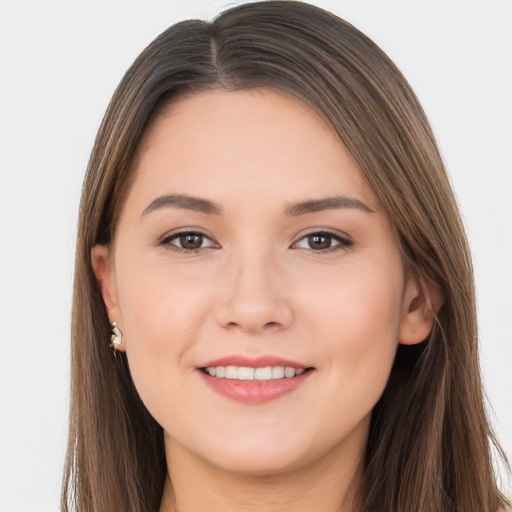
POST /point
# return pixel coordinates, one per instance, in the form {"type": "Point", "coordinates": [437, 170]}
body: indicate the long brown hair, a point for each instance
{"type": "Point", "coordinates": [429, 446]}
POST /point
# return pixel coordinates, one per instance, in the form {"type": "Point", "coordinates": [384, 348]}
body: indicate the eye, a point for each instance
{"type": "Point", "coordinates": [188, 241]}
{"type": "Point", "coordinates": [322, 241]}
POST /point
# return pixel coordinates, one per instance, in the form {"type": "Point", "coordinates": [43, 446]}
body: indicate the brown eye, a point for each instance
{"type": "Point", "coordinates": [191, 241]}
{"type": "Point", "coordinates": [323, 241]}
{"type": "Point", "coordinates": [188, 241]}
{"type": "Point", "coordinates": [319, 241]}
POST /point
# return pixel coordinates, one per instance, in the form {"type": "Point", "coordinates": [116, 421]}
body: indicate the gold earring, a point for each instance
{"type": "Point", "coordinates": [116, 336]}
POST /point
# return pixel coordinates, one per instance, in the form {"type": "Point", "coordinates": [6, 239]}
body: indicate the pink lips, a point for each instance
{"type": "Point", "coordinates": [253, 362]}
{"type": "Point", "coordinates": [254, 392]}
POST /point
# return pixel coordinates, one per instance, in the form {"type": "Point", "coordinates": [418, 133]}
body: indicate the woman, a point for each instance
{"type": "Point", "coordinates": [269, 241]}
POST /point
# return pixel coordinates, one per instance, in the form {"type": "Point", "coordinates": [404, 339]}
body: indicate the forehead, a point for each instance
{"type": "Point", "coordinates": [258, 144]}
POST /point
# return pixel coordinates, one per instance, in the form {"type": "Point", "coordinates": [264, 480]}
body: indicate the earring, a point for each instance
{"type": "Point", "coordinates": [116, 337]}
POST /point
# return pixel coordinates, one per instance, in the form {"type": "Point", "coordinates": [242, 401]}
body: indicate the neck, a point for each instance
{"type": "Point", "coordinates": [325, 485]}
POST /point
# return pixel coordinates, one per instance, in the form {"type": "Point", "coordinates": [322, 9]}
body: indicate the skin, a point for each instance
{"type": "Point", "coordinates": [256, 285]}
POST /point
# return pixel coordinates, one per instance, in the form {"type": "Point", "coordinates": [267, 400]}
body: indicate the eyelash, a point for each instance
{"type": "Point", "coordinates": [167, 241]}
{"type": "Point", "coordinates": [343, 242]}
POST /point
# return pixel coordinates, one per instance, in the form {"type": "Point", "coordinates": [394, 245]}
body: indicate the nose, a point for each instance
{"type": "Point", "coordinates": [254, 299]}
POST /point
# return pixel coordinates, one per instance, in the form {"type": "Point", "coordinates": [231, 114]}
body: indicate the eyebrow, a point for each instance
{"type": "Point", "coordinates": [329, 203]}
{"type": "Point", "coordinates": [184, 202]}
{"type": "Point", "coordinates": [197, 204]}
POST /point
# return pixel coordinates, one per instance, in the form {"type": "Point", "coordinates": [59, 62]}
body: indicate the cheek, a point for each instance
{"type": "Point", "coordinates": [161, 305]}
{"type": "Point", "coordinates": [357, 326]}
{"type": "Point", "coordinates": [356, 301]}
{"type": "Point", "coordinates": [162, 314]}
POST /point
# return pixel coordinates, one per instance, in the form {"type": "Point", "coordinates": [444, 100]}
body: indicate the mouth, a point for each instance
{"type": "Point", "coordinates": [247, 373]}
{"type": "Point", "coordinates": [254, 380]}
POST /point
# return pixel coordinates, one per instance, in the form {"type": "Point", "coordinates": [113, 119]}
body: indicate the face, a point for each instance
{"type": "Point", "coordinates": [258, 284]}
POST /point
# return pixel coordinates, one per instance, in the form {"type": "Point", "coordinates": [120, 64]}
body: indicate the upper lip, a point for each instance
{"type": "Point", "coordinates": [254, 362]}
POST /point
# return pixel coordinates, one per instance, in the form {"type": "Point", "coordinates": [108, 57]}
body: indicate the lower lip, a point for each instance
{"type": "Point", "coordinates": [253, 391]}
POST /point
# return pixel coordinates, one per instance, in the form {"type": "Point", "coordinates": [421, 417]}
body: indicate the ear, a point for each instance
{"type": "Point", "coordinates": [103, 268]}
{"type": "Point", "coordinates": [420, 307]}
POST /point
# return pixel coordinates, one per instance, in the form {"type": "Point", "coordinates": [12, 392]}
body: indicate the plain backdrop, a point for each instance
{"type": "Point", "coordinates": [59, 64]}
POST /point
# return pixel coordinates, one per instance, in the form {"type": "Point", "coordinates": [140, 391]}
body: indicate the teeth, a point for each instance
{"type": "Point", "coordinates": [231, 372]}
{"type": "Point", "coordinates": [246, 373]}
{"type": "Point", "coordinates": [263, 373]}
{"type": "Point", "coordinates": [278, 372]}
{"type": "Point", "coordinates": [289, 372]}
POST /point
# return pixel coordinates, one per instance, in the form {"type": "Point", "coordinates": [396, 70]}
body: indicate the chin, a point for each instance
{"type": "Point", "coordinates": [257, 454]}
{"type": "Point", "coordinates": [261, 464]}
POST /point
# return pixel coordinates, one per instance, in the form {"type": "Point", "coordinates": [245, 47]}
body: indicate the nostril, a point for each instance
{"type": "Point", "coordinates": [254, 314]}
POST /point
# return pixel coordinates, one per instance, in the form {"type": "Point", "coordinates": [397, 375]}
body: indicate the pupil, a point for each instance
{"type": "Point", "coordinates": [191, 241]}
{"type": "Point", "coordinates": [319, 241]}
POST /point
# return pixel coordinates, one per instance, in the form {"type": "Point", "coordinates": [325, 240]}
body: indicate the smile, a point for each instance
{"type": "Point", "coordinates": [254, 381]}
{"type": "Point", "coordinates": [253, 374]}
